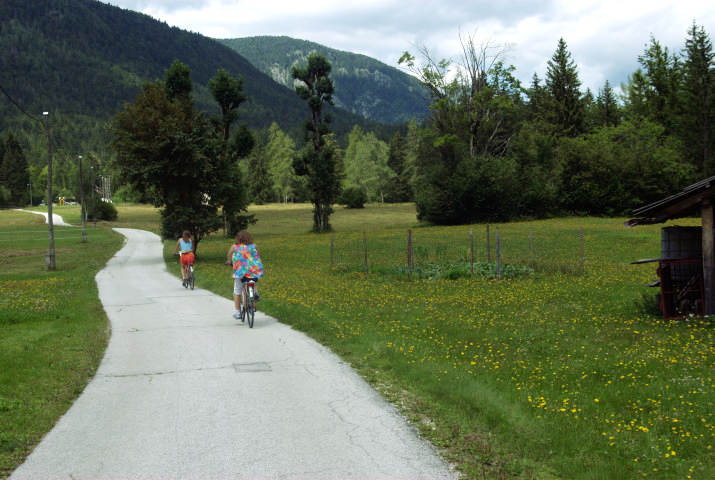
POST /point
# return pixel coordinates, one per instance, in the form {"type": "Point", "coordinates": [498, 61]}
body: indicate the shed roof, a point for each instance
{"type": "Point", "coordinates": [682, 204]}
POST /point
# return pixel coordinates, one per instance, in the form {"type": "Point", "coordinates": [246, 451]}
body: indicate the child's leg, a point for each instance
{"type": "Point", "coordinates": [237, 294]}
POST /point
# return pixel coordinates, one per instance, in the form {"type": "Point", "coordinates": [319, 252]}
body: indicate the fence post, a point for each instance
{"type": "Point", "coordinates": [364, 246]}
{"type": "Point", "coordinates": [332, 251]}
{"type": "Point", "coordinates": [498, 255]}
{"type": "Point", "coordinates": [531, 247]}
{"type": "Point", "coordinates": [409, 255]}
{"type": "Point", "coordinates": [489, 250]}
{"type": "Point", "coordinates": [471, 252]}
{"type": "Point", "coordinates": [580, 235]}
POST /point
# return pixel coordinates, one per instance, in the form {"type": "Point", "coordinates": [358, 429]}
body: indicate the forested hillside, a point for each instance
{"type": "Point", "coordinates": [82, 59]}
{"type": "Point", "coordinates": [363, 85]}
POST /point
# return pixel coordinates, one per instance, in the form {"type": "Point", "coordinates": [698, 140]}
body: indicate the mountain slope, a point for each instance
{"type": "Point", "coordinates": [82, 59]}
{"type": "Point", "coordinates": [363, 85]}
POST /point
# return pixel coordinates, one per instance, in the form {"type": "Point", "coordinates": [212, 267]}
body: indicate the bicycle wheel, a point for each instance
{"type": "Point", "coordinates": [243, 303]}
{"type": "Point", "coordinates": [250, 311]}
{"type": "Point", "coordinates": [192, 278]}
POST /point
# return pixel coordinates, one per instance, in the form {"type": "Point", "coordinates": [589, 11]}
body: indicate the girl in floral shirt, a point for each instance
{"type": "Point", "coordinates": [246, 261]}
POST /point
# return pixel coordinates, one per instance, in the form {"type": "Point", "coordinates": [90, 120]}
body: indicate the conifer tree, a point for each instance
{"type": "Point", "coordinates": [607, 107]}
{"type": "Point", "coordinates": [698, 119]}
{"type": "Point", "coordinates": [397, 188]}
{"type": "Point", "coordinates": [536, 106]}
{"type": "Point", "coordinates": [15, 173]}
{"type": "Point", "coordinates": [565, 108]}
{"type": "Point", "coordinates": [228, 93]}
{"type": "Point", "coordinates": [661, 85]}
{"type": "Point", "coordinates": [318, 160]}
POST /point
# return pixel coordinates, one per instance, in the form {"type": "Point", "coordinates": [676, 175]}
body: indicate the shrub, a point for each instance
{"type": "Point", "coordinates": [104, 210]}
{"type": "Point", "coordinates": [353, 197]}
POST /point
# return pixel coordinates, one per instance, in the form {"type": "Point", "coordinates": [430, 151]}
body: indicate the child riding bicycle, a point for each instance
{"type": "Point", "coordinates": [184, 247]}
{"type": "Point", "coordinates": [246, 261]}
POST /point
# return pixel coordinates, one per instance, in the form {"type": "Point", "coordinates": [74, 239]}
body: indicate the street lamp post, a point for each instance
{"type": "Point", "coordinates": [93, 186]}
{"type": "Point", "coordinates": [51, 254]}
{"type": "Point", "coordinates": [81, 199]}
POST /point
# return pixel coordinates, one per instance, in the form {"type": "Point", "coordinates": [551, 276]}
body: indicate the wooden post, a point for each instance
{"type": "Point", "coordinates": [498, 255]}
{"type": "Point", "coordinates": [471, 252]}
{"type": "Point", "coordinates": [708, 257]}
{"type": "Point", "coordinates": [409, 255]}
{"type": "Point", "coordinates": [364, 247]}
{"type": "Point", "coordinates": [489, 250]}
{"type": "Point", "coordinates": [332, 251]}
{"type": "Point", "coordinates": [531, 248]}
{"type": "Point", "coordinates": [580, 236]}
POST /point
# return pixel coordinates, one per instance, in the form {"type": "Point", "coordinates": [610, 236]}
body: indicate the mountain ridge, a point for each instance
{"type": "Point", "coordinates": [364, 85]}
{"type": "Point", "coordinates": [83, 59]}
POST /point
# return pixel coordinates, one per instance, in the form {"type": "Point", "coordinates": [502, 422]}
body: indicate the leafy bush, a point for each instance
{"type": "Point", "coordinates": [104, 211]}
{"type": "Point", "coordinates": [353, 197]}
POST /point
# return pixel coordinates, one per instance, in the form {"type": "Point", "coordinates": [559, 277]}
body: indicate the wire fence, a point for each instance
{"type": "Point", "coordinates": [489, 252]}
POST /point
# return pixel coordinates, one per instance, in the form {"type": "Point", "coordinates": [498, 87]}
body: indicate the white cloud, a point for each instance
{"type": "Point", "coordinates": [604, 37]}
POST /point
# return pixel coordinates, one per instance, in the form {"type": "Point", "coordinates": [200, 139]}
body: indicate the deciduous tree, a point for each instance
{"type": "Point", "coordinates": [280, 151]}
{"type": "Point", "coordinates": [165, 147]}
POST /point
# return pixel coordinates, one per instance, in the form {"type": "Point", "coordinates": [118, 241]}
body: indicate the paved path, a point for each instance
{"type": "Point", "coordinates": [56, 219]}
{"type": "Point", "coordinates": [186, 392]}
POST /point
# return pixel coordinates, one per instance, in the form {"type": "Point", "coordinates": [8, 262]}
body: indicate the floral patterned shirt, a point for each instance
{"type": "Point", "coordinates": [246, 261]}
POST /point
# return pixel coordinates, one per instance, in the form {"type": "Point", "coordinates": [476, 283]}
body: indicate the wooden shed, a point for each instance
{"type": "Point", "coordinates": [697, 198]}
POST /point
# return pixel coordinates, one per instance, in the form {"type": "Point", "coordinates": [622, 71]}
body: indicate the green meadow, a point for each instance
{"type": "Point", "coordinates": [561, 371]}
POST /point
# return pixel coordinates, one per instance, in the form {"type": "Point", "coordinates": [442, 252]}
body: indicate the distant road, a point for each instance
{"type": "Point", "coordinates": [186, 392]}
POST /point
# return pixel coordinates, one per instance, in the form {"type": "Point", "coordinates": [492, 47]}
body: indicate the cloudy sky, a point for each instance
{"type": "Point", "coordinates": [604, 37]}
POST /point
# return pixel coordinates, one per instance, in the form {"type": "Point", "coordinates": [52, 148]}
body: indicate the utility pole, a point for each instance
{"type": "Point", "coordinates": [81, 199]}
{"type": "Point", "coordinates": [51, 254]}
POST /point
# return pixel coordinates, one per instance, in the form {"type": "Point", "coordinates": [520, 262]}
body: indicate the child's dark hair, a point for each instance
{"type": "Point", "coordinates": [244, 237]}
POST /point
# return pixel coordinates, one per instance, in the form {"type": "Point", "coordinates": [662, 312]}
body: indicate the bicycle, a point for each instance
{"type": "Point", "coordinates": [190, 280]}
{"type": "Point", "coordinates": [248, 300]}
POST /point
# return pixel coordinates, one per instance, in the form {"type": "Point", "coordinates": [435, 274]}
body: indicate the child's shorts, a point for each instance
{"type": "Point", "coordinates": [237, 284]}
{"type": "Point", "coordinates": [187, 258]}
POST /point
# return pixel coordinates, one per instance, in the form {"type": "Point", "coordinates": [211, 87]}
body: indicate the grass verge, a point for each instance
{"type": "Point", "coordinates": [53, 330]}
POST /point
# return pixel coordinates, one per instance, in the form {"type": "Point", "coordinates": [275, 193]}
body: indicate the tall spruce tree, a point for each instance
{"type": "Point", "coordinates": [15, 173]}
{"type": "Point", "coordinates": [698, 119]}
{"type": "Point", "coordinates": [318, 160]}
{"type": "Point", "coordinates": [660, 87]}
{"type": "Point", "coordinates": [608, 112]}
{"type": "Point", "coordinates": [565, 108]}
{"type": "Point", "coordinates": [537, 98]}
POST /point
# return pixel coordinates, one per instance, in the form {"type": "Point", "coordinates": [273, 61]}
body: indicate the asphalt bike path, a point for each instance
{"type": "Point", "coordinates": [185, 391]}
{"type": "Point", "coordinates": [56, 219]}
